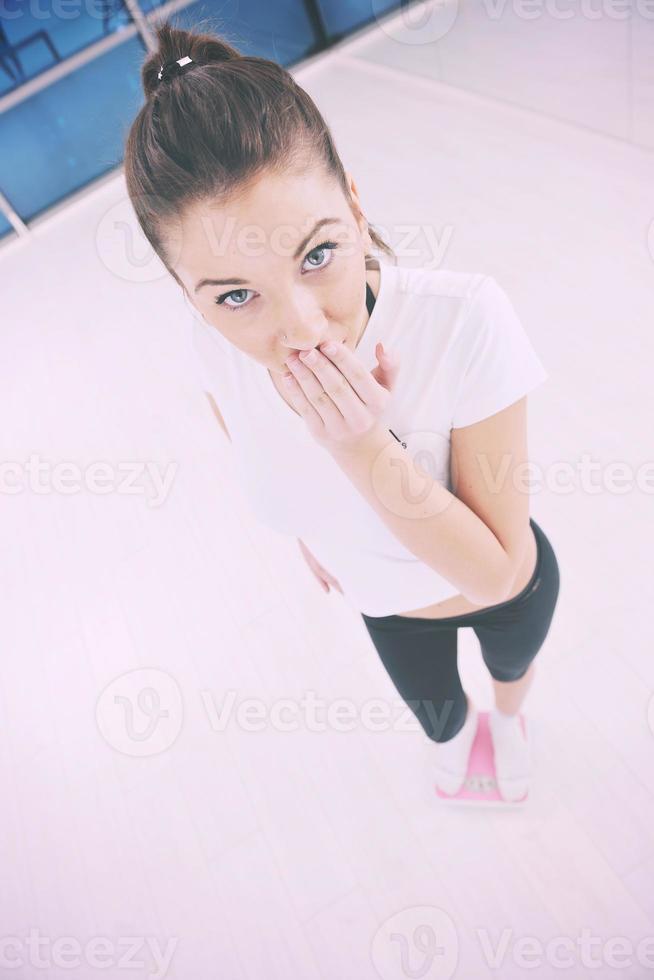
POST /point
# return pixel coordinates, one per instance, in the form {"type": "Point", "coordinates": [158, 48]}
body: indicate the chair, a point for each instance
{"type": "Point", "coordinates": [9, 51]}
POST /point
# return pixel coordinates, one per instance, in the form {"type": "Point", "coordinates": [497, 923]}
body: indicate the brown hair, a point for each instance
{"type": "Point", "coordinates": [208, 134]}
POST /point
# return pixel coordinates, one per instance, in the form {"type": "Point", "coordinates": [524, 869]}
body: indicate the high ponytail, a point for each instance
{"type": "Point", "coordinates": [203, 49]}
{"type": "Point", "coordinates": [207, 133]}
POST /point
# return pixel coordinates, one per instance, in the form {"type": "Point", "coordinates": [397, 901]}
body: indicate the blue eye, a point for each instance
{"type": "Point", "coordinates": [323, 247]}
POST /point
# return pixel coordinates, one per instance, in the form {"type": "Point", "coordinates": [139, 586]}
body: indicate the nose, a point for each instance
{"type": "Point", "coordinates": [303, 337]}
{"type": "Point", "coordinates": [304, 325]}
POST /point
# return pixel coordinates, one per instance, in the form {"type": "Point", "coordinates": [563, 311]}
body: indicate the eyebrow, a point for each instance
{"type": "Point", "coordinates": [296, 254]}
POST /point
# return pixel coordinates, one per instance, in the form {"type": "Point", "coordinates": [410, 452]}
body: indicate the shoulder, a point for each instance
{"type": "Point", "coordinates": [432, 307]}
{"type": "Point", "coordinates": [440, 301]}
{"type": "Point", "coordinates": [471, 292]}
{"type": "Point", "coordinates": [465, 309]}
{"type": "Point", "coordinates": [449, 283]}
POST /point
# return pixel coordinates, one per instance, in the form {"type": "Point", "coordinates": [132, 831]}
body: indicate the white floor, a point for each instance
{"type": "Point", "coordinates": [303, 853]}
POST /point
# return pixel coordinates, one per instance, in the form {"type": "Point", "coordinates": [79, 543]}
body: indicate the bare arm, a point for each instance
{"type": "Point", "coordinates": [216, 412]}
{"type": "Point", "coordinates": [432, 523]}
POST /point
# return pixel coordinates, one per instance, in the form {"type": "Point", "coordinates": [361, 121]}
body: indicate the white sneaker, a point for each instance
{"type": "Point", "coordinates": [452, 756]}
{"type": "Point", "coordinates": [512, 755]}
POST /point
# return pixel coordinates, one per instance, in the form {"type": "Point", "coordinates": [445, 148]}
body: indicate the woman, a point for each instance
{"type": "Point", "coordinates": [398, 464]}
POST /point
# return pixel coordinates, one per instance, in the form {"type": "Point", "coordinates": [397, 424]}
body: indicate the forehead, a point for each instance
{"type": "Point", "coordinates": [263, 224]}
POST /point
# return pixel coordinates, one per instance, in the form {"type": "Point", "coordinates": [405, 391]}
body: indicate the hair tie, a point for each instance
{"type": "Point", "coordinates": [172, 68]}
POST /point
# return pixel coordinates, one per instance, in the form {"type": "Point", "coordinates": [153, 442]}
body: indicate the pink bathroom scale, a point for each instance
{"type": "Point", "coordinates": [480, 786]}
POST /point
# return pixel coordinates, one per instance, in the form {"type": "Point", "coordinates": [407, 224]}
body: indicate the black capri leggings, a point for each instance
{"type": "Point", "coordinates": [420, 655]}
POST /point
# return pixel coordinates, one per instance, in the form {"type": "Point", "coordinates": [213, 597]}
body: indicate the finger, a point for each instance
{"type": "Point", "coordinates": [386, 362]}
{"type": "Point", "coordinates": [328, 387]}
{"type": "Point", "coordinates": [383, 356]}
{"type": "Point", "coordinates": [360, 380]}
{"type": "Point", "coordinates": [300, 402]}
{"type": "Point", "coordinates": [387, 370]}
{"type": "Point", "coordinates": [389, 362]}
{"type": "Point", "coordinates": [313, 390]}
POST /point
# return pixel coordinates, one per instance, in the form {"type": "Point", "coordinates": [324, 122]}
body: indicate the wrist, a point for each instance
{"type": "Point", "coordinates": [371, 444]}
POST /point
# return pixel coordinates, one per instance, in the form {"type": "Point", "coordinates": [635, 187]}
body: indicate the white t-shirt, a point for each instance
{"type": "Point", "coordinates": [464, 355]}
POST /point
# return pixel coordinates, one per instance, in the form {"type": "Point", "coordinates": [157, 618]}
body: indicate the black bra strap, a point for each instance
{"type": "Point", "coordinates": [370, 299]}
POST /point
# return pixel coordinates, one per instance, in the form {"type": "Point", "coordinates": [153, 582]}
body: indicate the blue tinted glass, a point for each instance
{"type": "Point", "coordinates": [34, 37]}
{"type": "Point", "coordinates": [280, 31]}
{"type": "Point", "coordinates": [349, 15]}
{"type": "Point", "coordinates": [70, 133]}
